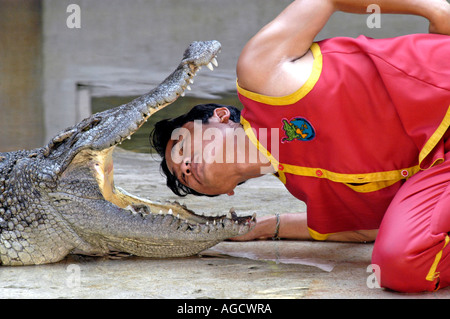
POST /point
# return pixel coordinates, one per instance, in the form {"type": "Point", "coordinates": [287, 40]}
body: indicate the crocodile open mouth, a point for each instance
{"type": "Point", "coordinates": [100, 167]}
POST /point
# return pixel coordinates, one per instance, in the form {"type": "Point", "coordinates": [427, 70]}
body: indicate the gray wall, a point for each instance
{"type": "Point", "coordinates": [124, 47]}
{"type": "Point", "coordinates": [20, 74]}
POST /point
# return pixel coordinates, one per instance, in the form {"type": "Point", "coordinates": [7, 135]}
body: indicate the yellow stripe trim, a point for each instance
{"type": "Point", "coordinates": [384, 176]}
{"type": "Point", "coordinates": [297, 95]}
{"type": "Point", "coordinates": [252, 137]}
{"type": "Point", "coordinates": [435, 138]}
{"type": "Point", "coordinates": [371, 187]}
{"type": "Point", "coordinates": [318, 236]}
{"type": "Point", "coordinates": [432, 274]}
{"type": "Point", "coordinates": [282, 177]}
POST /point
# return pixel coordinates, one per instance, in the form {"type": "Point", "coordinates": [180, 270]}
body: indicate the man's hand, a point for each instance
{"type": "Point", "coordinates": [264, 229]}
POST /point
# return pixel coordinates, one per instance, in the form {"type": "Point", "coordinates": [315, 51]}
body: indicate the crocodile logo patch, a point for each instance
{"type": "Point", "coordinates": [298, 129]}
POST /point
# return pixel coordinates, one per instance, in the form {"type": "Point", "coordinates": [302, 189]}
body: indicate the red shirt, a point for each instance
{"type": "Point", "coordinates": [372, 113]}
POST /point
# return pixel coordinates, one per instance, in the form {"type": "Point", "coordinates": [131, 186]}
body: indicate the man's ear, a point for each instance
{"type": "Point", "coordinates": [223, 114]}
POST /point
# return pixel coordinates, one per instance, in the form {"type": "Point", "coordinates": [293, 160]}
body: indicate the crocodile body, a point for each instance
{"type": "Point", "coordinates": [61, 198]}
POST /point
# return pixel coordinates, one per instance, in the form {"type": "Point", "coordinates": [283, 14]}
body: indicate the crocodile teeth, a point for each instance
{"type": "Point", "coordinates": [232, 214]}
{"type": "Point", "coordinates": [214, 61]}
{"type": "Point", "coordinates": [210, 66]}
{"type": "Point", "coordinates": [188, 88]}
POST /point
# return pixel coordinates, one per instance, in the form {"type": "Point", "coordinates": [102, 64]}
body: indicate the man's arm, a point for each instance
{"type": "Point", "coordinates": [290, 226]}
{"type": "Point", "coordinates": [261, 67]}
{"type": "Point", "coordinates": [436, 11]}
{"type": "Point", "coordinates": [294, 226]}
{"type": "Point", "coordinates": [268, 62]}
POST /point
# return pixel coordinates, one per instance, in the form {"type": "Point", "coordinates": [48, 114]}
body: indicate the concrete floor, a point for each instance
{"type": "Point", "coordinates": [261, 269]}
{"type": "Point", "coordinates": [288, 270]}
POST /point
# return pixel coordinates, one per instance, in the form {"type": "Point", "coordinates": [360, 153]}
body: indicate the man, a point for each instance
{"type": "Point", "coordinates": [356, 128]}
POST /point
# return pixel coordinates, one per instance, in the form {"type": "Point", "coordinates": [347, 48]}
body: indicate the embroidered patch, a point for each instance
{"type": "Point", "coordinates": [297, 129]}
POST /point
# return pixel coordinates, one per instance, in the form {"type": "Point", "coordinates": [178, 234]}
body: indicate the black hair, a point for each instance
{"type": "Point", "coordinates": [162, 133]}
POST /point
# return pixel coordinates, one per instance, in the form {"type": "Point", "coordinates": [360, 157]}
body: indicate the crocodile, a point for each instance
{"type": "Point", "coordinates": [61, 199]}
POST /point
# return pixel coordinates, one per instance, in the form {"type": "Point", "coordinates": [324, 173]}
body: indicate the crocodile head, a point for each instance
{"type": "Point", "coordinates": [62, 197]}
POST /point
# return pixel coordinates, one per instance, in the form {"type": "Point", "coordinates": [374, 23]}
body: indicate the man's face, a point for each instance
{"type": "Point", "coordinates": [202, 156]}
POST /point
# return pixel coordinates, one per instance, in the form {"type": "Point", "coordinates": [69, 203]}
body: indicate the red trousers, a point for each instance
{"type": "Point", "coordinates": [412, 247]}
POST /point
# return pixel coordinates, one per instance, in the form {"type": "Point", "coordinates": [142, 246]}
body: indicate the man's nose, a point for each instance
{"type": "Point", "coordinates": [186, 166]}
